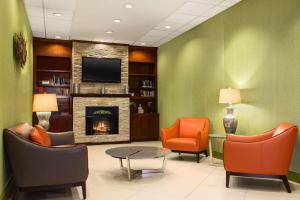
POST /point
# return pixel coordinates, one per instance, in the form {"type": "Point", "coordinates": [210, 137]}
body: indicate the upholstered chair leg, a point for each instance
{"type": "Point", "coordinates": [206, 154]}
{"type": "Point", "coordinates": [227, 179]}
{"type": "Point", "coordinates": [179, 156]}
{"type": "Point", "coordinates": [198, 157]}
{"type": "Point", "coordinates": [286, 184]}
{"type": "Point", "coordinates": [84, 190]}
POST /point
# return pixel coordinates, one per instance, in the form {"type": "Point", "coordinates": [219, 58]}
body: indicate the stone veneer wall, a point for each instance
{"type": "Point", "coordinates": [89, 49]}
{"type": "Point", "coordinates": [79, 104]}
{"type": "Point", "coordinates": [81, 49]}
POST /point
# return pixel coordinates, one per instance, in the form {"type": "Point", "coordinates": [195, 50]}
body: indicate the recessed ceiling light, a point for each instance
{"type": "Point", "coordinates": [168, 27]}
{"type": "Point", "coordinates": [128, 6]}
{"type": "Point", "coordinates": [117, 20]}
{"type": "Point", "coordinates": [109, 32]}
{"type": "Point", "coordinates": [57, 14]}
{"type": "Point", "coordinates": [57, 37]}
{"type": "Point", "coordinates": [143, 43]}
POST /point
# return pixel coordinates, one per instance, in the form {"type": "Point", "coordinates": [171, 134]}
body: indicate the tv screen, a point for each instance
{"type": "Point", "coordinates": [105, 70]}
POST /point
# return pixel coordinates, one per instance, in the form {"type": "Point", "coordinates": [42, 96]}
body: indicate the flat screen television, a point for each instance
{"type": "Point", "coordinates": [105, 70]}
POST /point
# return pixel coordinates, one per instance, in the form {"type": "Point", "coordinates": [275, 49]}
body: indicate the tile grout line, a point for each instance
{"type": "Point", "coordinates": [200, 183]}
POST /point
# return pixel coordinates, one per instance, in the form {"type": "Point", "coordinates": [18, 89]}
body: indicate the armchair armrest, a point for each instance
{"type": "Point", "coordinates": [35, 165]}
{"type": "Point", "coordinates": [63, 138]}
{"type": "Point", "coordinates": [171, 132]}
{"type": "Point", "coordinates": [199, 139]}
{"type": "Point", "coordinates": [252, 138]}
{"type": "Point", "coordinates": [242, 157]}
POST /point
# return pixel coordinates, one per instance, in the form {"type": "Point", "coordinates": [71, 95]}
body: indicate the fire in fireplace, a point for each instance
{"type": "Point", "coordinates": [102, 120]}
{"type": "Point", "coordinates": [101, 126]}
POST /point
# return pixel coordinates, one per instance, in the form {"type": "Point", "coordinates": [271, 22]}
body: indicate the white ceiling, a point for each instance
{"type": "Point", "coordinates": [144, 24]}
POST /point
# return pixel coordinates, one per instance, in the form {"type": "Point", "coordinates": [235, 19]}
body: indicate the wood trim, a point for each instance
{"type": "Point", "coordinates": [143, 48]}
{"type": "Point", "coordinates": [52, 40]}
{"type": "Point", "coordinates": [102, 95]}
{"type": "Point", "coordinates": [96, 42]}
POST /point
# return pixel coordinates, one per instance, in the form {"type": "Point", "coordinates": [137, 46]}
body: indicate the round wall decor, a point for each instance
{"type": "Point", "coordinates": [20, 50]}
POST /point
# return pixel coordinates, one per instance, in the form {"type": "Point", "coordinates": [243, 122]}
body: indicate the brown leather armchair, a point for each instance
{"type": "Point", "coordinates": [37, 167]}
{"type": "Point", "coordinates": [267, 155]}
{"type": "Point", "coordinates": [187, 135]}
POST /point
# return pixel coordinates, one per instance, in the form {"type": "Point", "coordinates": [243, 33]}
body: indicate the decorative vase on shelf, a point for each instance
{"type": "Point", "coordinates": [140, 109]}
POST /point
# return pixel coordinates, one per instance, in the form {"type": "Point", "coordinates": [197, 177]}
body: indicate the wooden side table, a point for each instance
{"type": "Point", "coordinates": [210, 137]}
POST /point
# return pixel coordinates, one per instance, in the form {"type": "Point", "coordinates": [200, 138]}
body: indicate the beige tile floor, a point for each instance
{"type": "Point", "coordinates": [182, 180]}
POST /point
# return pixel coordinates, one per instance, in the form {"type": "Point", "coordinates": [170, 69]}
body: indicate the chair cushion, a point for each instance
{"type": "Point", "coordinates": [190, 127]}
{"type": "Point", "coordinates": [40, 136]}
{"type": "Point", "coordinates": [281, 128]}
{"type": "Point", "coordinates": [182, 144]}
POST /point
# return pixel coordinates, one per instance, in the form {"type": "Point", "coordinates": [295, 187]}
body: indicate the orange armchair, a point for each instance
{"type": "Point", "coordinates": [266, 156]}
{"type": "Point", "coordinates": [187, 135]}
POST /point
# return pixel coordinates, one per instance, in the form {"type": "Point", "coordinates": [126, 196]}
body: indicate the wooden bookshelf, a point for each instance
{"type": "Point", "coordinates": [52, 62]}
{"type": "Point", "coordinates": [142, 67]}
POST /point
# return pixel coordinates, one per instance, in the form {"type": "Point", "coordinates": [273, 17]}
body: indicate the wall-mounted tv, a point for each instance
{"type": "Point", "coordinates": [105, 70]}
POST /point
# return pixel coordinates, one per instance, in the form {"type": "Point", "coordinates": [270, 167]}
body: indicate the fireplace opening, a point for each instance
{"type": "Point", "coordinates": [102, 120]}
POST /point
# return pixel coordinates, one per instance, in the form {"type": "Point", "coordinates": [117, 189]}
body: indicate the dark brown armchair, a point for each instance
{"type": "Point", "coordinates": [36, 167]}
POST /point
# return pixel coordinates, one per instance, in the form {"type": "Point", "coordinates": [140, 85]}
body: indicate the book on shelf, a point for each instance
{"type": "Point", "coordinates": [147, 93]}
{"type": "Point", "coordinates": [146, 84]}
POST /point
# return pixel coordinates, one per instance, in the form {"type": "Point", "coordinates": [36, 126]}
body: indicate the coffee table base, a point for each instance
{"type": "Point", "coordinates": [135, 172]}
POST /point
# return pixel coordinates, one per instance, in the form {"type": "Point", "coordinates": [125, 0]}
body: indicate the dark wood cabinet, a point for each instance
{"type": "Point", "coordinates": [52, 61]}
{"type": "Point", "coordinates": [52, 64]}
{"type": "Point", "coordinates": [143, 84]}
{"type": "Point", "coordinates": [144, 127]}
{"type": "Point", "coordinates": [58, 123]}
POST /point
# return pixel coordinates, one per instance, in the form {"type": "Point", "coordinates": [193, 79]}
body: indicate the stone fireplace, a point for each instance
{"type": "Point", "coordinates": [93, 112]}
{"type": "Point", "coordinates": [101, 120]}
{"type": "Point", "coordinates": [90, 96]}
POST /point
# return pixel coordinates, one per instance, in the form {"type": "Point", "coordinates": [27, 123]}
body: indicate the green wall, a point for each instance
{"type": "Point", "coordinates": [15, 83]}
{"type": "Point", "coordinates": [253, 46]}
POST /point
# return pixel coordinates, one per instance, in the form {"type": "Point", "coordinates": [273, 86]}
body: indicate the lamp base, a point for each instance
{"type": "Point", "coordinates": [44, 119]}
{"type": "Point", "coordinates": [229, 121]}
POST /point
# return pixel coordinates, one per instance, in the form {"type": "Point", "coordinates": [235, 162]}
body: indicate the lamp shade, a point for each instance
{"type": "Point", "coordinates": [44, 103]}
{"type": "Point", "coordinates": [230, 96]}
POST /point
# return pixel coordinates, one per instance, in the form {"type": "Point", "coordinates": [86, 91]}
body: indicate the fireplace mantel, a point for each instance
{"type": "Point", "coordinates": [101, 95]}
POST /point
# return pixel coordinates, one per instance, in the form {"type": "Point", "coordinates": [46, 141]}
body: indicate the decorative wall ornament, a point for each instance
{"type": "Point", "coordinates": [20, 51]}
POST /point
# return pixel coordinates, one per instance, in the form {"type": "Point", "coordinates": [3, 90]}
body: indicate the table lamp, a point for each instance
{"type": "Point", "coordinates": [43, 105]}
{"type": "Point", "coordinates": [230, 96]}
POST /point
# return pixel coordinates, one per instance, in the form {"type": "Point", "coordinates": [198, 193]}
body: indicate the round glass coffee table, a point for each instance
{"type": "Point", "coordinates": [138, 152]}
